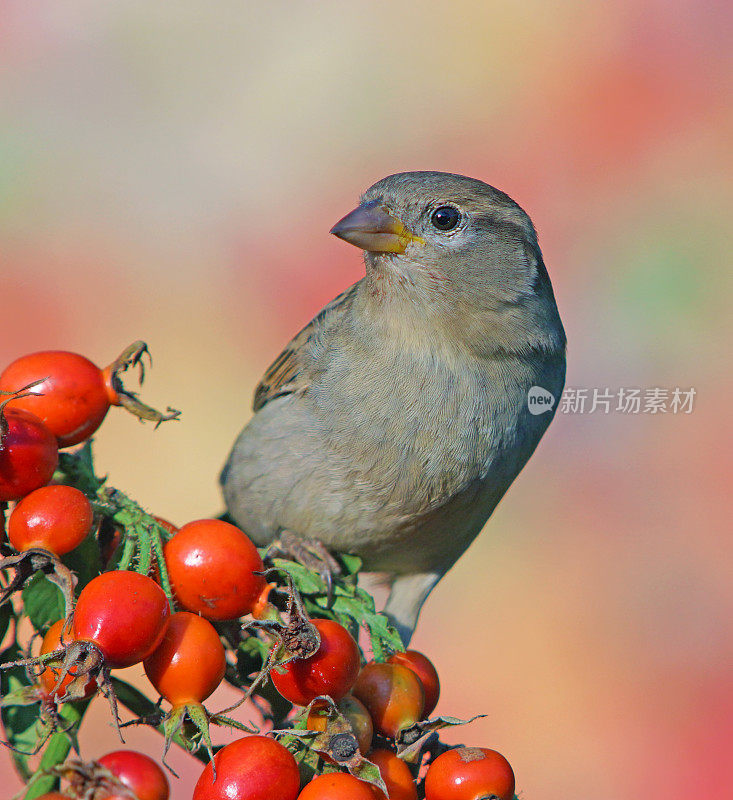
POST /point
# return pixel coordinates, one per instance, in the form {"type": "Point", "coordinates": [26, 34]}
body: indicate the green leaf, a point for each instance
{"type": "Point", "coordinates": [366, 771]}
{"type": "Point", "coordinates": [384, 638]}
{"type": "Point", "coordinates": [20, 728]}
{"type": "Point", "coordinates": [307, 760]}
{"type": "Point", "coordinates": [77, 469]}
{"type": "Point", "coordinates": [251, 654]}
{"type": "Point", "coordinates": [351, 606]}
{"type": "Point", "coordinates": [133, 698]}
{"type": "Point", "coordinates": [57, 749]}
{"type": "Point", "coordinates": [410, 741]}
{"type": "Point", "coordinates": [84, 561]}
{"type": "Point", "coordinates": [43, 602]}
{"type": "Point", "coordinates": [19, 721]}
{"type": "Point", "coordinates": [24, 695]}
{"type": "Point", "coordinates": [306, 581]}
{"type": "Point", "coordinates": [6, 614]}
{"type": "Point", "coordinates": [351, 564]}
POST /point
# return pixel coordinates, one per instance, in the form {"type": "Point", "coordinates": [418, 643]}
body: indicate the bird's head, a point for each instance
{"type": "Point", "coordinates": [458, 247]}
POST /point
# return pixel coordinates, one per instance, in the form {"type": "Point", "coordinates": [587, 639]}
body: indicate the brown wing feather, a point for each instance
{"type": "Point", "coordinates": [284, 375]}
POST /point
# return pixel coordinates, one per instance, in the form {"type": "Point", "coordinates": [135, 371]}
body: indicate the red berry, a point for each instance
{"type": "Point", "coordinates": [50, 675]}
{"type": "Point", "coordinates": [337, 786]}
{"type": "Point", "coordinates": [396, 776]}
{"type": "Point", "coordinates": [145, 779]}
{"type": "Point", "coordinates": [28, 454]}
{"type": "Point", "coordinates": [189, 663]}
{"type": "Point", "coordinates": [55, 518]}
{"type": "Point", "coordinates": [252, 768]}
{"type": "Point", "coordinates": [469, 773]}
{"type": "Point", "coordinates": [423, 667]}
{"type": "Point", "coordinates": [73, 399]}
{"type": "Point", "coordinates": [124, 614]}
{"type": "Point", "coordinates": [211, 566]}
{"type": "Point", "coordinates": [393, 695]}
{"type": "Point", "coordinates": [331, 671]}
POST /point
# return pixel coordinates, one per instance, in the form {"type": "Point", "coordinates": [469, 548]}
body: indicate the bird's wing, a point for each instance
{"type": "Point", "coordinates": [285, 375]}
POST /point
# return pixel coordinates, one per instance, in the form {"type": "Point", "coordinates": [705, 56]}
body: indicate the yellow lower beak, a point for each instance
{"type": "Point", "coordinates": [373, 228]}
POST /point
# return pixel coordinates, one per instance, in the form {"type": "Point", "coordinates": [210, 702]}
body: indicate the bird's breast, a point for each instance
{"type": "Point", "coordinates": [417, 430]}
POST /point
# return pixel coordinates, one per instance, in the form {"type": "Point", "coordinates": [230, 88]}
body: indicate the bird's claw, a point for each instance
{"type": "Point", "coordinates": [311, 553]}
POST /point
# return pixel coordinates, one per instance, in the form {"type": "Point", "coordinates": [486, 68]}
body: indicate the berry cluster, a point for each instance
{"type": "Point", "coordinates": [105, 585]}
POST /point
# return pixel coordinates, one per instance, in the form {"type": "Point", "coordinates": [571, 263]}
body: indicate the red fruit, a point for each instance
{"type": "Point", "coordinates": [189, 663]}
{"type": "Point", "coordinates": [396, 776]}
{"type": "Point", "coordinates": [355, 713]}
{"type": "Point", "coordinates": [469, 773]}
{"type": "Point", "coordinates": [72, 395]}
{"type": "Point", "coordinates": [331, 671]}
{"type": "Point", "coordinates": [423, 667]}
{"type": "Point", "coordinates": [252, 768]}
{"type": "Point", "coordinates": [124, 614]}
{"type": "Point", "coordinates": [75, 397]}
{"type": "Point", "coordinates": [337, 786]}
{"type": "Point", "coordinates": [211, 566]}
{"type": "Point", "coordinates": [55, 518]}
{"type": "Point", "coordinates": [393, 695]}
{"type": "Point", "coordinates": [28, 454]}
{"type": "Point", "coordinates": [145, 779]}
{"type": "Point", "coordinates": [50, 676]}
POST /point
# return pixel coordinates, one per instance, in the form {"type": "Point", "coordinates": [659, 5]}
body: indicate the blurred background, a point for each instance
{"type": "Point", "coordinates": [170, 171]}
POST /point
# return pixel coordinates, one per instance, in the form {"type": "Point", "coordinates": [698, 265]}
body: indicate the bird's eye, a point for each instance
{"type": "Point", "coordinates": [446, 218]}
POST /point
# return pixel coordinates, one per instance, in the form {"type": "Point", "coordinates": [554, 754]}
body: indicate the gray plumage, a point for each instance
{"type": "Point", "coordinates": [393, 424]}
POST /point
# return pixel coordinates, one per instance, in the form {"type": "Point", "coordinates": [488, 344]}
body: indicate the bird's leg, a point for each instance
{"type": "Point", "coordinates": [407, 594]}
{"type": "Point", "coordinates": [311, 553]}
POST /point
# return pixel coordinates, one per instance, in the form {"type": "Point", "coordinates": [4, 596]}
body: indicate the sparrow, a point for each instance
{"type": "Point", "coordinates": [394, 422]}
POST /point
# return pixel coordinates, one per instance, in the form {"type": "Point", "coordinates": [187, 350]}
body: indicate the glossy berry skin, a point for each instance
{"type": "Point", "coordinates": [423, 667]}
{"type": "Point", "coordinates": [73, 399]}
{"type": "Point", "coordinates": [331, 671]}
{"type": "Point", "coordinates": [469, 773]}
{"type": "Point", "coordinates": [124, 613]}
{"type": "Point", "coordinates": [28, 455]}
{"type": "Point", "coordinates": [337, 786]}
{"type": "Point", "coordinates": [211, 566]}
{"type": "Point", "coordinates": [252, 768]}
{"type": "Point", "coordinates": [189, 662]}
{"type": "Point", "coordinates": [139, 773]}
{"type": "Point", "coordinates": [55, 518]}
{"type": "Point", "coordinates": [50, 676]}
{"type": "Point", "coordinates": [393, 695]}
{"type": "Point", "coordinates": [396, 776]}
{"type": "Point", "coordinates": [354, 711]}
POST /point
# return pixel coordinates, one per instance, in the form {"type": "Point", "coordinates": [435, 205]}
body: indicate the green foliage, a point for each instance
{"type": "Point", "coordinates": [6, 617]}
{"type": "Point", "coordinates": [84, 561]}
{"type": "Point", "coordinates": [20, 719]}
{"type": "Point", "coordinates": [43, 602]}
{"type": "Point", "coordinates": [57, 750]}
{"type": "Point", "coordinates": [348, 603]}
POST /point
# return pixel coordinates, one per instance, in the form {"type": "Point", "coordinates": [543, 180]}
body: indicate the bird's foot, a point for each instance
{"type": "Point", "coordinates": [311, 553]}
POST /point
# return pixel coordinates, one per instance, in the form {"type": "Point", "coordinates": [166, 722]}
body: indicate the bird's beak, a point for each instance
{"type": "Point", "coordinates": [373, 228]}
